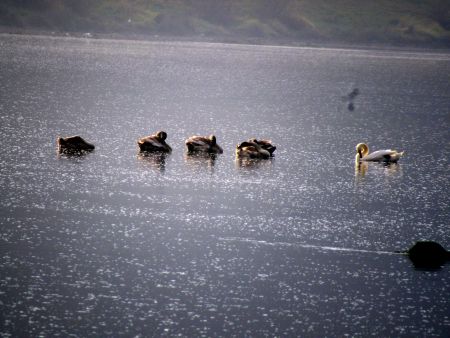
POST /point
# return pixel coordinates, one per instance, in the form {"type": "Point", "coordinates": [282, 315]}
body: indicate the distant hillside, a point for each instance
{"type": "Point", "coordinates": [405, 22]}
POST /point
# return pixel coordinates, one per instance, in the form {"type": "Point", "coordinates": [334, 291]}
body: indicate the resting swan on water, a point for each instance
{"type": "Point", "coordinates": [203, 144]}
{"type": "Point", "coordinates": [74, 144]}
{"type": "Point", "coordinates": [252, 149]}
{"type": "Point", "coordinates": [387, 155]}
{"type": "Point", "coordinates": [265, 144]}
{"type": "Point", "coordinates": [155, 143]}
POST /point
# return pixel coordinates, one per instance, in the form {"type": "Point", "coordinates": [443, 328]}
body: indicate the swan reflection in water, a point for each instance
{"type": "Point", "coordinates": [156, 161]}
{"type": "Point", "coordinates": [388, 169]}
{"type": "Point", "coordinates": [253, 163]}
{"type": "Point", "coordinates": [200, 160]}
{"type": "Point", "coordinates": [78, 155]}
{"type": "Point", "coordinates": [361, 169]}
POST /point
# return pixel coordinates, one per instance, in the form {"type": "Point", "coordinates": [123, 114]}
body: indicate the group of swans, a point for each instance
{"type": "Point", "coordinates": [252, 148]}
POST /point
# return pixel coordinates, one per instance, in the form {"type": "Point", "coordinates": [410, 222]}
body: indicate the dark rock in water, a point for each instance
{"type": "Point", "coordinates": [351, 106]}
{"type": "Point", "coordinates": [428, 255]}
{"type": "Point", "coordinates": [73, 144]}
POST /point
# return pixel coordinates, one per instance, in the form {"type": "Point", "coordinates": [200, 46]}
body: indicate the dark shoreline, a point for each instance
{"type": "Point", "coordinates": [437, 48]}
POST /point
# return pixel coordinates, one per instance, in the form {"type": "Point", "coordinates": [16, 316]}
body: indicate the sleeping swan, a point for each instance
{"type": "Point", "coordinates": [251, 150]}
{"type": "Point", "coordinates": [203, 144]}
{"type": "Point", "coordinates": [73, 144]}
{"type": "Point", "coordinates": [265, 144]}
{"type": "Point", "coordinates": [155, 143]}
{"type": "Point", "coordinates": [387, 155]}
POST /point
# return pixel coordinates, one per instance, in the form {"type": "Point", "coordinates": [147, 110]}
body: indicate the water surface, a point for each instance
{"type": "Point", "coordinates": [114, 243]}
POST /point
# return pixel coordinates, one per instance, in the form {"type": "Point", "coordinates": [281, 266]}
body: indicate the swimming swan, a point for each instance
{"type": "Point", "coordinates": [251, 150]}
{"type": "Point", "coordinates": [155, 143]}
{"type": "Point", "coordinates": [74, 144]}
{"type": "Point", "coordinates": [203, 144]}
{"type": "Point", "coordinates": [387, 155]}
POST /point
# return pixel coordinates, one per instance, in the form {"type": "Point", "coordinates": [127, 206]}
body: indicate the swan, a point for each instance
{"type": "Point", "coordinates": [387, 155]}
{"type": "Point", "coordinates": [74, 144]}
{"type": "Point", "coordinates": [265, 144]}
{"type": "Point", "coordinates": [203, 144]}
{"type": "Point", "coordinates": [155, 143]}
{"type": "Point", "coordinates": [251, 150]}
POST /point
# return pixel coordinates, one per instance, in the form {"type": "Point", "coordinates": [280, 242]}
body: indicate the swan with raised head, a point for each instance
{"type": "Point", "coordinates": [265, 144]}
{"type": "Point", "coordinates": [74, 144]}
{"type": "Point", "coordinates": [203, 144]}
{"type": "Point", "coordinates": [155, 143]}
{"type": "Point", "coordinates": [386, 155]}
{"type": "Point", "coordinates": [251, 150]}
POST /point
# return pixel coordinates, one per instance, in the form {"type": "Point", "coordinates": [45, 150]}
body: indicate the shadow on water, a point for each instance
{"type": "Point", "coordinates": [155, 161]}
{"type": "Point", "coordinates": [429, 267]}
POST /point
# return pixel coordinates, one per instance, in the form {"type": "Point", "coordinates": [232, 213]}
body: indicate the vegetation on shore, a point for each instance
{"type": "Point", "coordinates": [405, 22]}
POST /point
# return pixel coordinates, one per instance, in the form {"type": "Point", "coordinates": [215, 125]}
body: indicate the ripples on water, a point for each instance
{"type": "Point", "coordinates": [120, 243]}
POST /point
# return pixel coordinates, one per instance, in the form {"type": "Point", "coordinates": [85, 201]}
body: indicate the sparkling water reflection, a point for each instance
{"type": "Point", "coordinates": [116, 242]}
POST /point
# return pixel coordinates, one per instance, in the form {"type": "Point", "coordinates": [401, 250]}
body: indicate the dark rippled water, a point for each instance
{"type": "Point", "coordinates": [117, 244]}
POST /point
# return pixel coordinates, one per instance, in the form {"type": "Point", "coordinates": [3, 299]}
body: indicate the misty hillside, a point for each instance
{"type": "Point", "coordinates": [405, 22]}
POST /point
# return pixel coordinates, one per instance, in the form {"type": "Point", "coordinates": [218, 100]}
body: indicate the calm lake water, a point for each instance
{"type": "Point", "coordinates": [117, 244]}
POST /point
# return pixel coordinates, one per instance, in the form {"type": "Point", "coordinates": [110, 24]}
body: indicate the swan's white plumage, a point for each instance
{"type": "Point", "coordinates": [380, 155]}
{"type": "Point", "coordinates": [198, 142]}
{"type": "Point", "coordinates": [386, 155]}
{"type": "Point", "coordinates": [154, 143]}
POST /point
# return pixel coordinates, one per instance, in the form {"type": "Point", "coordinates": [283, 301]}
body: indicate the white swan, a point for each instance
{"type": "Point", "coordinates": [387, 155]}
